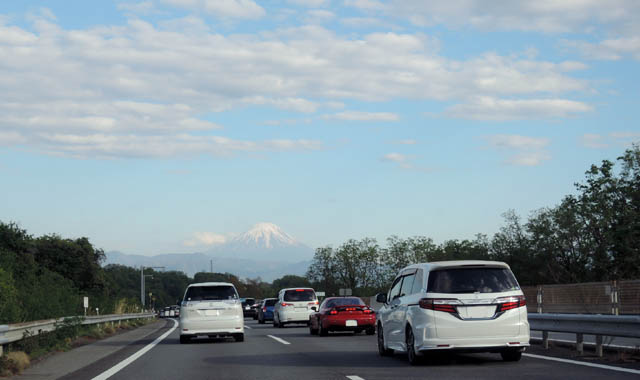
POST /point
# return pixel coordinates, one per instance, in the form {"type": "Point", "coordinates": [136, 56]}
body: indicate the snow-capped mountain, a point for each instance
{"type": "Point", "coordinates": [264, 251]}
{"type": "Point", "coordinates": [265, 241]}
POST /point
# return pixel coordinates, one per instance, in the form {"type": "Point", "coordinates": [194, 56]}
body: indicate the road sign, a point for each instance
{"type": "Point", "coordinates": [345, 292]}
{"type": "Point", "coordinates": [86, 302]}
{"type": "Point", "coordinates": [320, 294]}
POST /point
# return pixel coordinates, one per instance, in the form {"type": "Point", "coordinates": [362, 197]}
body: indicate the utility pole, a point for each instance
{"type": "Point", "coordinates": [211, 262]}
{"type": "Point", "coordinates": [142, 277]}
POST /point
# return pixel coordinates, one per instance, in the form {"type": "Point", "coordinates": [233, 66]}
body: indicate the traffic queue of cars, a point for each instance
{"type": "Point", "coordinates": [454, 306]}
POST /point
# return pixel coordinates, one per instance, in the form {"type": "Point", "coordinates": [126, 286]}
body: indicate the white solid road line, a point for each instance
{"type": "Point", "coordinates": [116, 368]}
{"type": "Point", "coordinates": [354, 377]}
{"type": "Point", "coordinates": [247, 327]}
{"type": "Point", "coordinates": [611, 368]}
{"type": "Point", "coordinates": [278, 339]}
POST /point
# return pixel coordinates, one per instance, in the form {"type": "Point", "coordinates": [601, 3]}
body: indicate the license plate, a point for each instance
{"type": "Point", "coordinates": [351, 322]}
{"type": "Point", "coordinates": [211, 312]}
{"type": "Point", "coordinates": [301, 309]}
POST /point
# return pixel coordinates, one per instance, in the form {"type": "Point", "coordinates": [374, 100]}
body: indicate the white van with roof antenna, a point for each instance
{"type": "Point", "coordinates": [463, 306]}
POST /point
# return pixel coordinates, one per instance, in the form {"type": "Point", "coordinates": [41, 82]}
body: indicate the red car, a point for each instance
{"type": "Point", "coordinates": [342, 314]}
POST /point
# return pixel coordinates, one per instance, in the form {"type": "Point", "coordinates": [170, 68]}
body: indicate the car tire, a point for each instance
{"type": "Point", "coordinates": [511, 355]}
{"type": "Point", "coordinates": [322, 331]}
{"type": "Point", "coordinates": [412, 355]}
{"type": "Point", "coordinates": [381, 349]}
{"type": "Point", "coordinates": [184, 339]}
{"type": "Point", "coordinates": [275, 320]}
{"type": "Point", "coordinates": [313, 331]}
{"type": "Point", "coordinates": [239, 337]}
{"type": "Point", "coordinates": [370, 330]}
{"type": "Point", "coordinates": [261, 321]}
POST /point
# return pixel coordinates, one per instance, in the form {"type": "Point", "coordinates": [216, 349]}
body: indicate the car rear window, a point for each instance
{"type": "Point", "coordinates": [344, 302]}
{"type": "Point", "coordinates": [219, 292]}
{"type": "Point", "coordinates": [472, 280]}
{"type": "Point", "coordinates": [270, 302]}
{"type": "Point", "coordinates": [299, 295]}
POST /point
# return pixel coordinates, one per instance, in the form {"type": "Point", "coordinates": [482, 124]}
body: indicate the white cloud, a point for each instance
{"type": "Point", "coordinates": [490, 108]}
{"type": "Point", "coordinates": [309, 3]}
{"type": "Point", "coordinates": [207, 239]}
{"type": "Point", "coordinates": [608, 50]}
{"type": "Point", "coordinates": [240, 9]}
{"type": "Point", "coordinates": [364, 116]}
{"type": "Point", "coordinates": [144, 80]}
{"type": "Point", "coordinates": [619, 138]}
{"type": "Point", "coordinates": [401, 160]}
{"type": "Point", "coordinates": [319, 16]}
{"type": "Point", "coordinates": [524, 150]}
{"type": "Point", "coordinates": [548, 16]}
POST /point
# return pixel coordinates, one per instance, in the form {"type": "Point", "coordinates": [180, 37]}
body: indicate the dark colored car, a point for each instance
{"type": "Point", "coordinates": [342, 314]}
{"type": "Point", "coordinates": [247, 311]}
{"type": "Point", "coordinates": [256, 306]}
{"type": "Point", "coordinates": [265, 312]}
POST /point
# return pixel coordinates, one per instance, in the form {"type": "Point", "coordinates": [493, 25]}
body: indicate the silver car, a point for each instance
{"type": "Point", "coordinates": [294, 305]}
{"type": "Point", "coordinates": [211, 309]}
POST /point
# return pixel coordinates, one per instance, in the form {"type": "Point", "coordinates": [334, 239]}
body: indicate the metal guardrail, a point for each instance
{"type": "Point", "coordinates": [580, 324]}
{"type": "Point", "coordinates": [15, 332]}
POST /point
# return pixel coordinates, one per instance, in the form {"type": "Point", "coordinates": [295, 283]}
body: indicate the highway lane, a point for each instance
{"type": "Point", "coordinates": [338, 356]}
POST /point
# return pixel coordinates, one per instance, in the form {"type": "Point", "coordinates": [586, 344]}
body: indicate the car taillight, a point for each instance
{"type": "Point", "coordinates": [264, 309]}
{"type": "Point", "coordinates": [508, 303]}
{"type": "Point", "coordinates": [350, 309]}
{"type": "Point", "coordinates": [286, 304]}
{"type": "Point", "coordinates": [333, 312]}
{"type": "Point", "coordinates": [313, 303]}
{"type": "Point", "coordinates": [448, 305]}
{"type": "Point", "coordinates": [367, 311]}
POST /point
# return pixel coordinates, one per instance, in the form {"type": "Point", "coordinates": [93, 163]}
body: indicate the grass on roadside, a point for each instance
{"type": "Point", "coordinates": [68, 334]}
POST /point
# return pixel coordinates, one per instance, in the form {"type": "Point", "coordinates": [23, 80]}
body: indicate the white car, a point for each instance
{"type": "Point", "coordinates": [467, 306]}
{"type": "Point", "coordinates": [294, 305]}
{"type": "Point", "coordinates": [211, 309]}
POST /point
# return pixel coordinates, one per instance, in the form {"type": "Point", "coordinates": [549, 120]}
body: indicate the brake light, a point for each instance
{"type": "Point", "coordinates": [299, 290]}
{"type": "Point", "coordinates": [264, 308]}
{"type": "Point", "coordinates": [333, 312]}
{"type": "Point", "coordinates": [313, 303]}
{"type": "Point", "coordinates": [448, 305]}
{"type": "Point", "coordinates": [508, 303]}
{"type": "Point", "coordinates": [284, 304]}
{"type": "Point", "coordinates": [367, 311]}
{"type": "Point", "coordinates": [350, 309]}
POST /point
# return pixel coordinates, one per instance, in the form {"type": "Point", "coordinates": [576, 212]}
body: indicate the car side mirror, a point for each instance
{"type": "Point", "coordinates": [314, 308]}
{"type": "Point", "coordinates": [381, 298]}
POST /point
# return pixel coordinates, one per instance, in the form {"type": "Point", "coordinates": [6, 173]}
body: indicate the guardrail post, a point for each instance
{"type": "Point", "coordinates": [614, 298]}
{"type": "Point", "coordinates": [539, 299]}
{"type": "Point", "coordinates": [580, 343]}
{"type": "Point", "coordinates": [599, 350]}
{"type": "Point", "coordinates": [545, 339]}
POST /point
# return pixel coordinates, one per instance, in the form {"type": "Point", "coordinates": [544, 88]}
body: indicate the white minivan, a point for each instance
{"type": "Point", "coordinates": [468, 306]}
{"type": "Point", "coordinates": [294, 305]}
{"type": "Point", "coordinates": [211, 309]}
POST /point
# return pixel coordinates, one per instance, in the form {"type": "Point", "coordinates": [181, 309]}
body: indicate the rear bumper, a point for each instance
{"type": "Point", "coordinates": [339, 324]}
{"type": "Point", "coordinates": [225, 326]}
{"type": "Point", "coordinates": [295, 316]}
{"type": "Point", "coordinates": [475, 344]}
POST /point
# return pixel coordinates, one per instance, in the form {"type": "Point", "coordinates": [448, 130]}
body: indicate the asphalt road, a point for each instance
{"type": "Point", "coordinates": [338, 356]}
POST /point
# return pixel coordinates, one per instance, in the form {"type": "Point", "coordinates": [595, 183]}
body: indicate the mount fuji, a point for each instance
{"type": "Point", "coordinates": [265, 241]}
{"type": "Point", "coordinates": [265, 251]}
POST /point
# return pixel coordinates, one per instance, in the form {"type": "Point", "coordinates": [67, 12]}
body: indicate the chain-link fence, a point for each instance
{"type": "Point", "coordinates": [614, 297]}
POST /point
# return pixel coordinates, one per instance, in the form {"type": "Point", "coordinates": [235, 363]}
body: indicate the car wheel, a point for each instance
{"type": "Point", "coordinates": [370, 330]}
{"type": "Point", "coordinates": [275, 320]}
{"type": "Point", "coordinates": [511, 355]}
{"type": "Point", "coordinates": [239, 337]}
{"type": "Point", "coordinates": [261, 321]}
{"type": "Point", "coordinates": [381, 349]}
{"type": "Point", "coordinates": [322, 331]}
{"type": "Point", "coordinates": [184, 339]}
{"type": "Point", "coordinates": [313, 331]}
{"type": "Point", "coordinates": [412, 355]}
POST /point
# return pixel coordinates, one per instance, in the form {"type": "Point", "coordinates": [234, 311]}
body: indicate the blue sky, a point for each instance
{"type": "Point", "coordinates": [172, 125]}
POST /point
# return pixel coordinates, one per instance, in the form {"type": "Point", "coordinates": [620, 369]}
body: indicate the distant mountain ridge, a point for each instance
{"type": "Point", "coordinates": [265, 251]}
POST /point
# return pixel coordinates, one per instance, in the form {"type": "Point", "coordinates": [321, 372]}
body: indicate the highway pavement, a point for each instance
{"type": "Point", "coordinates": [292, 353]}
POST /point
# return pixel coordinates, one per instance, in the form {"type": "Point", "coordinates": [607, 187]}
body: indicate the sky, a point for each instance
{"type": "Point", "coordinates": [168, 126]}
